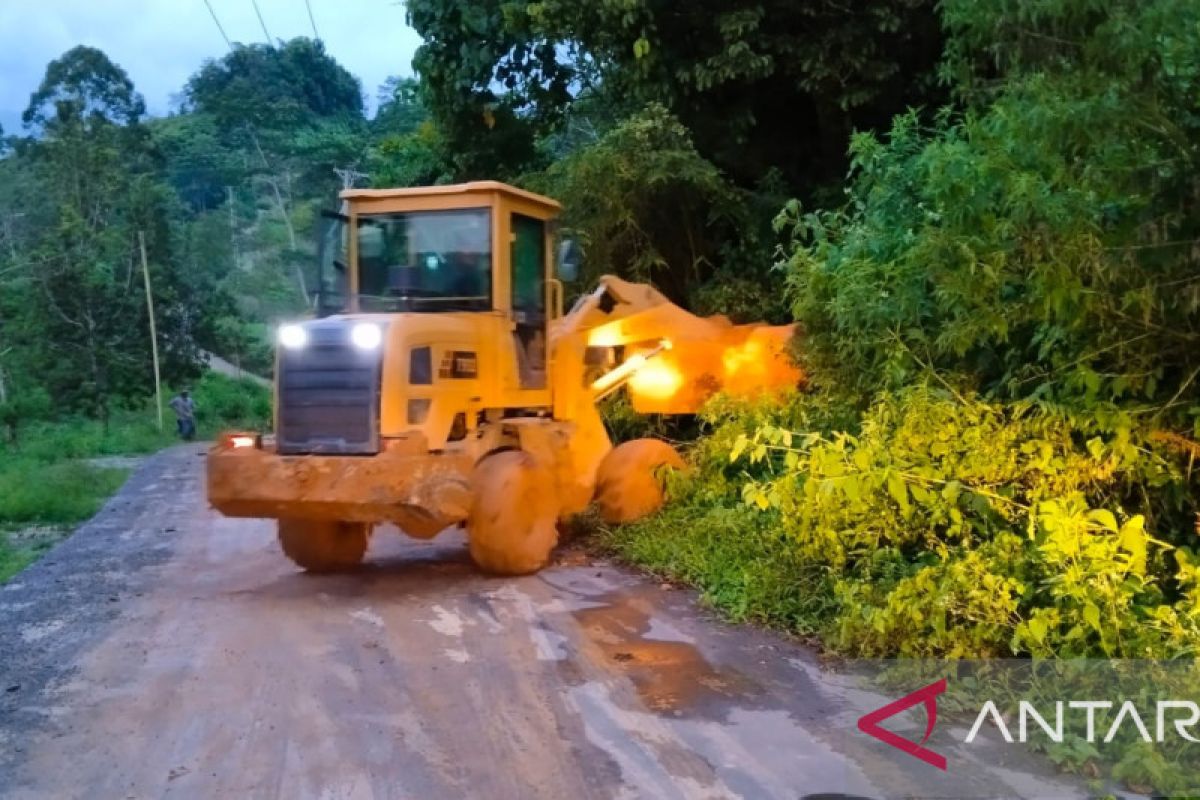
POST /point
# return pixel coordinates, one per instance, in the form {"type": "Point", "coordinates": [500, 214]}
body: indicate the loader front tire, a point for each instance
{"type": "Point", "coordinates": [511, 526]}
{"type": "Point", "coordinates": [628, 486]}
{"type": "Point", "coordinates": [323, 546]}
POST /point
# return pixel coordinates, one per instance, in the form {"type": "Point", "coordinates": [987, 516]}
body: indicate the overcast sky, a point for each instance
{"type": "Point", "coordinates": [160, 43]}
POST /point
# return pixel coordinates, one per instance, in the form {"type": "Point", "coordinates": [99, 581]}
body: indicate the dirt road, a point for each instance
{"type": "Point", "coordinates": [163, 651]}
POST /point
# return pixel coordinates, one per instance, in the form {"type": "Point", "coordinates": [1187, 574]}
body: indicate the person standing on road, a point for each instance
{"type": "Point", "coordinates": [185, 415]}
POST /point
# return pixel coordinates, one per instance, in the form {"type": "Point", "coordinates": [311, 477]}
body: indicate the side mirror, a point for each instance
{"type": "Point", "coordinates": [570, 256]}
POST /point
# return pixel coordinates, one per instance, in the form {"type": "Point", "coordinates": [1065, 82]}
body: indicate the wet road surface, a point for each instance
{"type": "Point", "coordinates": [164, 651]}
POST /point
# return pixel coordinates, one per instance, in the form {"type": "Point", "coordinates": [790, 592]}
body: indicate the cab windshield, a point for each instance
{"type": "Point", "coordinates": [425, 261]}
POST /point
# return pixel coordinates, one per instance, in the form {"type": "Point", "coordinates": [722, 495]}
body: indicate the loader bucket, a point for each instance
{"type": "Point", "coordinates": [740, 360]}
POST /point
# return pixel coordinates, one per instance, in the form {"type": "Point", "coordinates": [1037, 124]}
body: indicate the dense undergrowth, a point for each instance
{"type": "Point", "coordinates": [940, 525]}
{"type": "Point", "coordinates": [48, 480]}
{"type": "Point", "coordinates": [999, 327]}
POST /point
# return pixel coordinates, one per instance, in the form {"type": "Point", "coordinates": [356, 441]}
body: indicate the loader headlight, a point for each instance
{"type": "Point", "coordinates": [366, 336]}
{"type": "Point", "coordinates": [292, 336]}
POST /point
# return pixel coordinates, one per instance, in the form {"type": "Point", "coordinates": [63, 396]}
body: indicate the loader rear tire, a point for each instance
{"type": "Point", "coordinates": [511, 527]}
{"type": "Point", "coordinates": [323, 546]}
{"type": "Point", "coordinates": [628, 486]}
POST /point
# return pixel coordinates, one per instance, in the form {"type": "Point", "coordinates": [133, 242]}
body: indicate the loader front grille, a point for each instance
{"type": "Point", "coordinates": [328, 395]}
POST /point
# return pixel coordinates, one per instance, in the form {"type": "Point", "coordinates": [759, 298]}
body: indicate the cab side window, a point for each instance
{"type": "Point", "coordinates": [529, 298]}
{"type": "Point", "coordinates": [528, 260]}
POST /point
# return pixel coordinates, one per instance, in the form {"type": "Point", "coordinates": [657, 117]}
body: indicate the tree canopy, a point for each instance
{"type": "Point", "coordinates": [274, 87]}
{"type": "Point", "coordinates": [84, 87]}
{"type": "Point", "coordinates": [502, 72]}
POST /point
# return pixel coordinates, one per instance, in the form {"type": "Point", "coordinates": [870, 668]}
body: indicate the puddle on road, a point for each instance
{"type": "Point", "coordinates": [669, 675]}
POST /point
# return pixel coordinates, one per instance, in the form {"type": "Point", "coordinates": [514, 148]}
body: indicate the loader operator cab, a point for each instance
{"type": "Point", "coordinates": [459, 281]}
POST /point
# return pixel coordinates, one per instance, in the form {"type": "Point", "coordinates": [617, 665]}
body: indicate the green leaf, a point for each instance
{"type": "Point", "coordinates": [1037, 627]}
{"type": "Point", "coordinates": [1104, 518]}
{"type": "Point", "coordinates": [898, 489]}
{"type": "Point", "coordinates": [739, 446]}
{"type": "Point", "coordinates": [1091, 615]}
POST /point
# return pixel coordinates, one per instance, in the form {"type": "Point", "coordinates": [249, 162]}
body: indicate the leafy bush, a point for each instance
{"type": "Point", "coordinates": [225, 403]}
{"type": "Point", "coordinates": [644, 205]}
{"type": "Point", "coordinates": [1043, 242]}
{"type": "Point", "coordinates": [945, 526]}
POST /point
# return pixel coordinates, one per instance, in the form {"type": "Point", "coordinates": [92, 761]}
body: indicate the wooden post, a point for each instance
{"type": "Point", "coordinates": [153, 332]}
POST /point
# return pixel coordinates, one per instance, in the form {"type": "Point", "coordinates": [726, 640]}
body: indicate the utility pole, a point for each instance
{"type": "Point", "coordinates": [350, 176]}
{"type": "Point", "coordinates": [153, 332]}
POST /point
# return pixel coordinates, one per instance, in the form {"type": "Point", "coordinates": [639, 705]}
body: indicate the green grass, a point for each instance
{"type": "Point", "coordinates": [53, 496]}
{"type": "Point", "coordinates": [47, 485]}
{"type": "Point", "coordinates": [58, 493]}
{"type": "Point", "coordinates": [734, 556]}
{"type": "Point", "coordinates": [14, 559]}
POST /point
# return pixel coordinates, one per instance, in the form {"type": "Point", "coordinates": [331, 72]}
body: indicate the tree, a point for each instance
{"type": "Point", "coordinates": [271, 88]}
{"type": "Point", "coordinates": [83, 87]}
{"type": "Point", "coordinates": [760, 85]}
{"type": "Point", "coordinates": [1043, 244]}
{"type": "Point", "coordinates": [401, 107]}
{"type": "Point", "coordinates": [200, 163]}
{"type": "Point", "coordinates": [94, 185]}
{"type": "Point", "coordinates": [292, 114]}
{"type": "Point", "coordinates": [644, 204]}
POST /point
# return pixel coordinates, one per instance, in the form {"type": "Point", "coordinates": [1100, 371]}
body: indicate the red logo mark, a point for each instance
{"type": "Point", "coordinates": [869, 723]}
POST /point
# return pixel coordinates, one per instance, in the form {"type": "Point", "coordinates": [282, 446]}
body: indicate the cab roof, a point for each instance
{"type": "Point", "coordinates": [474, 187]}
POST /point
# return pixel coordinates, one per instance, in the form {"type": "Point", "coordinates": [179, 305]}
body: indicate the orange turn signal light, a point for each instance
{"type": "Point", "coordinates": [238, 440]}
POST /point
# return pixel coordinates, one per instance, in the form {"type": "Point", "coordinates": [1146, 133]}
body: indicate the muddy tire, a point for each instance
{"type": "Point", "coordinates": [628, 486]}
{"type": "Point", "coordinates": [511, 527]}
{"type": "Point", "coordinates": [321, 546]}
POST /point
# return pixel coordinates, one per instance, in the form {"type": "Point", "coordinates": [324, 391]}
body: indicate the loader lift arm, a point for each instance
{"type": "Point", "coordinates": [674, 360]}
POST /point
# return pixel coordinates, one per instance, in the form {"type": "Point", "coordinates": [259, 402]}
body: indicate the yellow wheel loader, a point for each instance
{"type": "Point", "coordinates": [442, 383]}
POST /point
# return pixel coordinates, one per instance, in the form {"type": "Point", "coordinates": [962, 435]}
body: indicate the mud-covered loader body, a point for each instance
{"type": "Point", "coordinates": [443, 383]}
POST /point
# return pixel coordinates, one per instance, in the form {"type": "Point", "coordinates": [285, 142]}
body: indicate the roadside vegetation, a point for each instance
{"type": "Point", "coordinates": [994, 455]}
{"type": "Point", "coordinates": [56, 474]}
{"type": "Point", "coordinates": [995, 452]}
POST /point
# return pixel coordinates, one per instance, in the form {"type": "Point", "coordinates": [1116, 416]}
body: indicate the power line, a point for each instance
{"type": "Point", "coordinates": [311, 20]}
{"type": "Point", "coordinates": [221, 29]}
{"type": "Point", "coordinates": [261, 22]}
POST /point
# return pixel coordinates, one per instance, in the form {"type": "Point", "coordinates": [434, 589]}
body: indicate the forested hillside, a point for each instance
{"type": "Point", "coordinates": [224, 193]}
